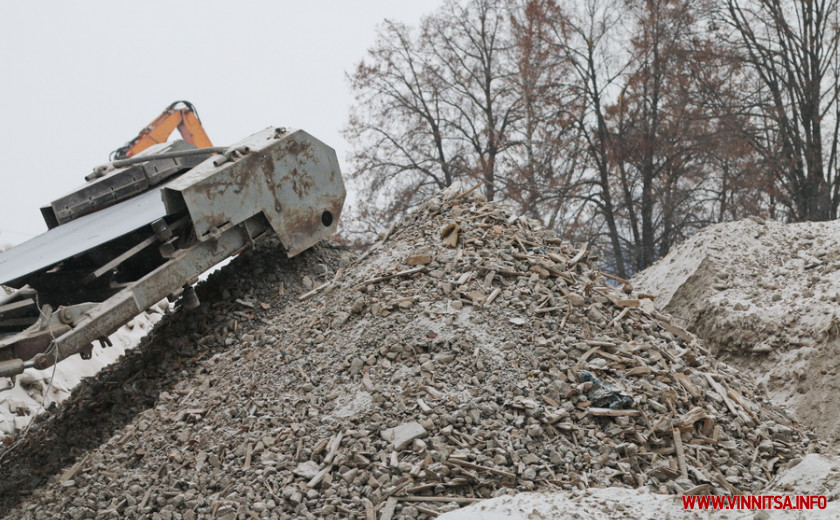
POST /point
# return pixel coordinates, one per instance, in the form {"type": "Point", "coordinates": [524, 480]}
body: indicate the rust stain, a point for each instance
{"type": "Point", "coordinates": [301, 149]}
{"type": "Point", "coordinates": [301, 182]}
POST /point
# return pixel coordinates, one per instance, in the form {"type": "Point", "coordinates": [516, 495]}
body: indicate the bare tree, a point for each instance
{"type": "Point", "coordinates": [433, 106]}
{"type": "Point", "coordinates": [643, 70]}
{"type": "Point", "coordinates": [400, 121]}
{"type": "Point", "coordinates": [792, 46]}
{"type": "Point", "coordinates": [593, 51]}
{"type": "Point", "coordinates": [473, 45]}
{"type": "Point", "coordinates": [545, 169]}
{"type": "Point", "coordinates": [467, 96]}
{"type": "Point", "coordinates": [662, 132]}
{"type": "Point", "coordinates": [616, 121]}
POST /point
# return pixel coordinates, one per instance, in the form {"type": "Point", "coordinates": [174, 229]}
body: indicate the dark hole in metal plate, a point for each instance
{"type": "Point", "coordinates": [326, 218]}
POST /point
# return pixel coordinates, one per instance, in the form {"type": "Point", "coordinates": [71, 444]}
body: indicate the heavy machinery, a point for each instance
{"type": "Point", "coordinates": [180, 115]}
{"type": "Point", "coordinates": [144, 228]}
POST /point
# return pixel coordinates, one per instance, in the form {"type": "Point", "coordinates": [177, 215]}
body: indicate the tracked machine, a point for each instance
{"type": "Point", "coordinates": [146, 225]}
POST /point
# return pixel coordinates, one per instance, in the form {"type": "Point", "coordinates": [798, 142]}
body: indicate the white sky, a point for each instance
{"type": "Point", "coordinates": [82, 78]}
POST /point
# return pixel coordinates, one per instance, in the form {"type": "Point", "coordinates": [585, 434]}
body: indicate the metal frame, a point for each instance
{"type": "Point", "coordinates": [275, 180]}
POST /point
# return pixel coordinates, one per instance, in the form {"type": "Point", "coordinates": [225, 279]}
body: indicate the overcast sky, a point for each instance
{"type": "Point", "coordinates": [82, 78]}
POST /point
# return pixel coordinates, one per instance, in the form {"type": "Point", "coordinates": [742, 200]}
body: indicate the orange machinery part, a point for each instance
{"type": "Point", "coordinates": [184, 119]}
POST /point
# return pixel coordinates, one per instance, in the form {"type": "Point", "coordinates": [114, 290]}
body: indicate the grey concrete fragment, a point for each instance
{"type": "Point", "coordinates": [404, 434]}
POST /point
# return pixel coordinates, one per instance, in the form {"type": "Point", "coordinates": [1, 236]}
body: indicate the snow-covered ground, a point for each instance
{"type": "Point", "coordinates": [36, 390]}
{"type": "Point", "coordinates": [813, 475]}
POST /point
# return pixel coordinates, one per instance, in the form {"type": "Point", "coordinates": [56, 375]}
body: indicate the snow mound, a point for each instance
{"type": "Point", "coordinates": [765, 296]}
{"type": "Point", "coordinates": [814, 475]}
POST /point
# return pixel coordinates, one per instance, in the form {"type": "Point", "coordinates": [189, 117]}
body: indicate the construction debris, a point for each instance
{"type": "Point", "coordinates": [764, 297]}
{"type": "Point", "coordinates": [506, 363]}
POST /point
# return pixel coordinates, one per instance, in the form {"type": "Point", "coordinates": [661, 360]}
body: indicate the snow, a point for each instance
{"type": "Point", "coordinates": [36, 390]}
{"type": "Point", "coordinates": [781, 280]}
{"type": "Point", "coordinates": [813, 475]}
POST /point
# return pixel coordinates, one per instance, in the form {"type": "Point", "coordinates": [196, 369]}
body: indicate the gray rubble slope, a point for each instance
{"type": "Point", "coordinates": [766, 297]}
{"type": "Point", "coordinates": [419, 377]}
{"type": "Point", "coordinates": [175, 352]}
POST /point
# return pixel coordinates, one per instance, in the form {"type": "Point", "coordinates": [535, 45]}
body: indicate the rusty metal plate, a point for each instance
{"type": "Point", "coordinates": [290, 177]}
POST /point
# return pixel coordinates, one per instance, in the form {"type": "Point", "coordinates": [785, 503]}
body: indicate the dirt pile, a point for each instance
{"type": "Point", "coordinates": [766, 297]}
{"type": "Point", "coordinates": [469, 354]}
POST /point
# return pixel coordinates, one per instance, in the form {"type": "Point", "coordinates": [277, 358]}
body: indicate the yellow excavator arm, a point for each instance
{"type": "Point", "coordinates": [181, 115]}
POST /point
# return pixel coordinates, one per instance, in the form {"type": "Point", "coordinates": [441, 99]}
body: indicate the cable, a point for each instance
{"type": "Point", "coordinates": [99, 171]}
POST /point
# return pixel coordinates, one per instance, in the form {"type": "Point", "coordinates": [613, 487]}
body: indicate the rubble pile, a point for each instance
{"type": "Point", "coordinates": [174, 353]}
{"type": "Point", "coordinates": [765, 296]}
{"type": "Point", "coordinates": [469, 354]}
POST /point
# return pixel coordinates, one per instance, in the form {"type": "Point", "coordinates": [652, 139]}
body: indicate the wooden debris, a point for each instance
{"type": "Point", "coordinates": [609, 412]}
{"type": "Point", "coordinates": [469, 191]}
{"type": "Point", "coordinates": [702, 489]}
{"type": "Point", "coordinates": [580, 254]}
{"type": "Point", "coordinates": [718, 388]}
{"type": "Point", "coordinates": [449, 235]}
{"type": "Point", "coordinates": [692, 416]}
{"type": "Point", "coordinates": [332, 448]}
{"type": "Point", "coordinates": [457, 500]}
{"type": "Point", "coordinates": [418, 259]}
{"type": "Point", "coordinates": [688, 385]}
{"type": "Point", "coordinates": [423, 406]}
{"type": "Point", "coordinates": [618, 318]}
{"type": "Point", "coordinates": [319, 476]}
{"type": "Point", "coordinates": [678, 445]}
{"type": "Point", "coordinates": [370, 511]}
{"type": "Point", "coordinates": [73, 470]}
{"type": "Point", "coordinates": [313, 292]}
{"type": "Point", "coordinates": [615, 278]}
{"type": "Point", "coordinates": [627, 303]}
{"type": "Point", "coordinates": [249, 450]}
{"type": "Point", "coordinates": [477, 467]}
{"type": "Point", "coordinates": [639, 371]}
{"type": "Point", "coordinates": [383, 278]}
{"type": "Point", "coordinates": [388, 510]}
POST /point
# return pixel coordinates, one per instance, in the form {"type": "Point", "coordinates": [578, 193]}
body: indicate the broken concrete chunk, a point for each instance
{"type": "Point", "coordinates": [358, 306]}
{"type": "Point", "coordinates": [575, 299]}
{"type": "Point", "coordinates": [306, 469]}
{"type": "Point", "coordinates": [404, 434]}
{"type": "Point", "coordinates": [356, 366]}
{"type": "Point", "coordinates": [477, 297]}
{"type": "Point", "coordinates": [340, 319]}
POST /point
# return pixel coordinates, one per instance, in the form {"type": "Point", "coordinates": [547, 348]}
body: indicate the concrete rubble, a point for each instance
{"type": "Point", "coordinates": [469, 354]}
